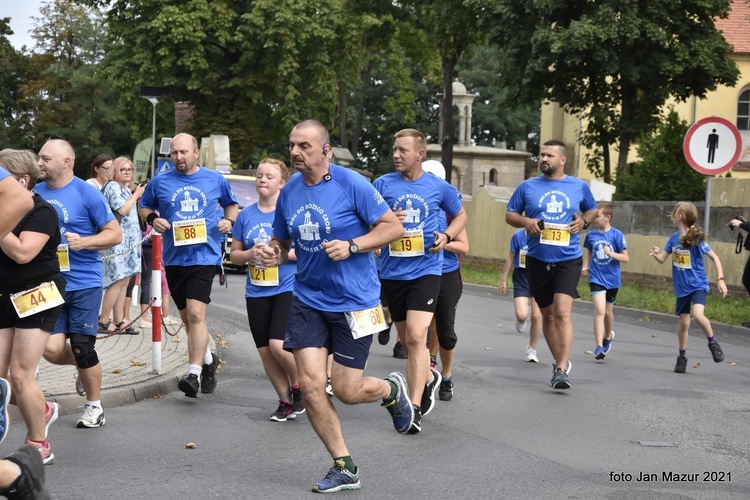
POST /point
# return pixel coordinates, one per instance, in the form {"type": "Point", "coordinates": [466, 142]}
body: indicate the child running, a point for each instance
{"type": "Point", "coordinates": [607, 248]}
{"type": "Point", "coordinates": [688, 246]}
{"type": "Point", "coordinates": [522, 293]}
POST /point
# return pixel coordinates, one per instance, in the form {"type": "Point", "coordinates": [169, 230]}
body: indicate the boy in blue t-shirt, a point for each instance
{"type": "Point", "coordinates": [607, 248]}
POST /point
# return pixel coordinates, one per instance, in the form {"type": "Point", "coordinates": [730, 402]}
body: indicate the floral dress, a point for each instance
{"type": "Point", "coordinates": [123, 260]}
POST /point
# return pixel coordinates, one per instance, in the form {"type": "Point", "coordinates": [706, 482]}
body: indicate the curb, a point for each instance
{"type": "Point", "coordinates": [659, 321]}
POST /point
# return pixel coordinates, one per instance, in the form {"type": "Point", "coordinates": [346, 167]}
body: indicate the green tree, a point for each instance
{"type": "Point", "coordinates": [663, 173]}
{"type": "Point", "coordinates": [618, 61]}
{"type": "Point", "coordinates": [12, 73]}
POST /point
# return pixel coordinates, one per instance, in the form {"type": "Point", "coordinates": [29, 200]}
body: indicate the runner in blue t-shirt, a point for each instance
{"type": "Point", "coordinates": [188, 198]}
{"type": "Point", "coordinates": [442, 334]}
{"type": "Point", "coordinates": [547, 207]}
{"type": "Point", "coordinates": [688, 246]}
{"type": "Point", "coordinates": [606, 250]}
{"type": "Point", "coordinates": [268, 291]}
{"type": "Point", "coordinates": [412, 265]}
{"type": "Point", "coordinates": [524, 305]}
{"type": "Point", "coordinates": [87, 226]}
{"type": "Point", "coordinates": [335, 219]}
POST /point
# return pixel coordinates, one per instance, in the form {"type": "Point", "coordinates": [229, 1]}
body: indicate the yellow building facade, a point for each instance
{"type": "Point", "coordinates": [731, 103]}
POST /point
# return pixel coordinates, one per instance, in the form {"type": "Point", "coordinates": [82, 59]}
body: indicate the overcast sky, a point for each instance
{"type": "Point", "coordinates": [20, 12]}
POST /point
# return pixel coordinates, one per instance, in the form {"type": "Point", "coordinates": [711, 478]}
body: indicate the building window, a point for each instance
{"type": "Point", "coordinates": [493, 177]}
{"type": "Point", "coordinates": [743, 110]}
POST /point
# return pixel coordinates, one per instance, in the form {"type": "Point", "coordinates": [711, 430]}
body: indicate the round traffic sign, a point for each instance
{"type": "Point", "coordinates": [712, 145]}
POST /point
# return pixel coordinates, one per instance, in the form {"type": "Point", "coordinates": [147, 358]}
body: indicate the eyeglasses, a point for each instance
{"type": "Point", "coordinates": [103, 167]}
{"type": "Point", "coordinates": [126, 170]}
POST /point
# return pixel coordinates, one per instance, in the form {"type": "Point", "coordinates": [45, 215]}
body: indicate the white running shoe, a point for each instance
{"type": "Point", "coordinates": [521, 325]}
{"type": "Point", "coordinates": [93, 416]}
{"type": "Point", "coordinates": [531, 355]}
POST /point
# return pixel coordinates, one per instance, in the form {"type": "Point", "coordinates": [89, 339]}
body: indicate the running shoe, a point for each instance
{"type": "Point", "coordinates": [400, 407]}
{"type": "Point", "coordinates": [297, 404]}
{"type": "Point", "coordinates": [416, 425]}
{"type": "Point", "coordinates": [93, 416]}
{"type": "Point", "coordinates": [4, 400]}
{"type": "Point", "coordinates": [399, 351]}
{"type": "Point", "coordinates": [284, 412]}
{"type": "Point", "coordinates": [681, 365]}
{"type": "Point", "coordinates": [599, 352]}
{"type": "Point", "coordinates": [338, 478]}
{"type": "Point", "coordinates": [531, 355]}
{"type": "Point", "coordinates": [189, 384]}
{"type": "Point", "coordinates": [51, 412]}
{"type": "Point", "coordinates": [45, 451]}
{"type": "Point", "coordinates": [79, 386]}
{"type": "Point", "coordinates": [567, 368]}
{"type": "Point", "coordinates": [428, 395]}
{"type": "Point", "coordinates": [329, 389]}
{"type": "Point", "coordinates": [208, 375]}
{"type": "Point", "coordinates": [560, 380]}
{"type": "Point", "coordinates": [716, 351]}
{"type": "Point", "coordinates": [30, 484]}
{"type": "Point", "coordinates": [521, 325]}
{"type": "Point", "coordinates": [384, 336]}
{"type": "Point", "coordinates": [446, 390]}
{"type": "Point", "coordinates": [607, 344]}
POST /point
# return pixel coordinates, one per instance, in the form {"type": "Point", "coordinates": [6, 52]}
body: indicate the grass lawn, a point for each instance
{"type": "Point", "coordinates": [729, 311]}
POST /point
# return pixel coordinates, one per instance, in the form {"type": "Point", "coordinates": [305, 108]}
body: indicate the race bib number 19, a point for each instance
{"type": "Point", "coordinates": [189, 232]}
{"type": "Point", "coordinates": [411, 244]}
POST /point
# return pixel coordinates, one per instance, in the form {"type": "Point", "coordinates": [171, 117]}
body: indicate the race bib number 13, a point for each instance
{"type": "Point", "coordinates": [189, 232]}
{"type": "Point", "coordinates": [555, 234]}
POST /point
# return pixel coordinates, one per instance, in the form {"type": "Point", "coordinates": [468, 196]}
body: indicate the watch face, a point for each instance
{"type": "Point", "coordinates": [353, 248]}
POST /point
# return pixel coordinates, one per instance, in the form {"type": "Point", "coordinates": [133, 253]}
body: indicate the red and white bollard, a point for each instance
{"type": "Point", "coordinates": [156, 270]}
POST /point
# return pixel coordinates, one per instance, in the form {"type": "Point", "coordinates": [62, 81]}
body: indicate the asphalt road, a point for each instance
{"type": "Point", "coordinates": [505, 434]}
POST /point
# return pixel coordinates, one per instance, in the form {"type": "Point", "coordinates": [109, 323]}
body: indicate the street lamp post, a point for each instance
{"type": "Point", "coordinates": [154, 101]}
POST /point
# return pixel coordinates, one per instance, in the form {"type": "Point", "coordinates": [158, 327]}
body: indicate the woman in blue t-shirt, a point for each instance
{"type": "Point", "coordinates": [688, 246]}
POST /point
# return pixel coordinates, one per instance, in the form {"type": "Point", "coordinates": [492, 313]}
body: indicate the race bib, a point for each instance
{"type": "Point", "coordinates": [189, 232]}
{"type": "Point", "coordinates": [557, 235]}
{"type": "Point", "coordinates": [38, 299]}
{"type": "Point", "coordinates": [260, 276]}
{"type": "Point", "coordinates": [366, 322]}
{"type": "Point", "coordinates": [522, 259]}
{"type": "Point", "coordinates": [63, 257]}
{"type": "Point", "coordinates": [681, 259]}
{"type": "Point", "coordinates": [411, 244]}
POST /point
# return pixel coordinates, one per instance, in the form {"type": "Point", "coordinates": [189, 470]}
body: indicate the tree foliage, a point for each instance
{"type": "Point", "coordinates": [663, 173]}
{"type": "Point", "coordinates": [618, 60]}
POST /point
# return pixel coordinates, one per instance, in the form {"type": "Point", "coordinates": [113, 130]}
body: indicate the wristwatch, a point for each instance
{"type": "Point", "coordinates": [353, 248]}
{"type": "Point", "coordinates": [586, 224]}
{"type": "Point", "coordinates": [230, 220]}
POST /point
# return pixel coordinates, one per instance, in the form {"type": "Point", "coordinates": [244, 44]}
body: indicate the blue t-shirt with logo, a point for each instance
{"type": "Point", "coordinates": [555, 201]}
{"type": "Point", "coordinates": [83, 210]}
{"type": "Point", "coordinates": [178, 197]}
{"type": "Point", "coordinates": [688, 270]}
{"type": "Point", "coordinates": [517, 245]}
{"type": "Point", "coordinates": [252, 226]}
{"type": "Point", "coordinates": [450, 259]}
{"type": "Point", "coordinates": [603, 270]}
{"type": "Point", "coordinates": [422, 199]}
{"type": "Point", "coordinates": [341, 208]}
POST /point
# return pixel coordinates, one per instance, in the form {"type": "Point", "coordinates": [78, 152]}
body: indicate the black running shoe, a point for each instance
{"type": "Point", "coordinates": [208, 378]}
{"type": "Point", "coordinates": [681, 364]}
{"type": "Point", "coordinates": [428, 395]}
{"type": "Point", "coordinates": [399, 351]}
{"type": "Point", "coordinates": [189, 385]}
{"type": "Point", "coordinates": [30, 484]}
{"type": "Point", "coordinates": [385, 335]}
{"type": "Point", "coordinates": [416, 426]}
{"type": "Point", "coordinates": [716, 351]}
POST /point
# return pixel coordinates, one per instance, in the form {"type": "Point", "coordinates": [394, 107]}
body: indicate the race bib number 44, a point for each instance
{"type": "Point", "coordinates": [189, 232]}
{"type": "Point", "coordinates": [38, 299]}
{"type": "Point", "coordinates": [555, 234]}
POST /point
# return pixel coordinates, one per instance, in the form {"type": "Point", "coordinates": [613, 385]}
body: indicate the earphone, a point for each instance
{"type": "Point", "coordinates": [325, 151]}
{"type": "Point", "coordinates": [23, 182]}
